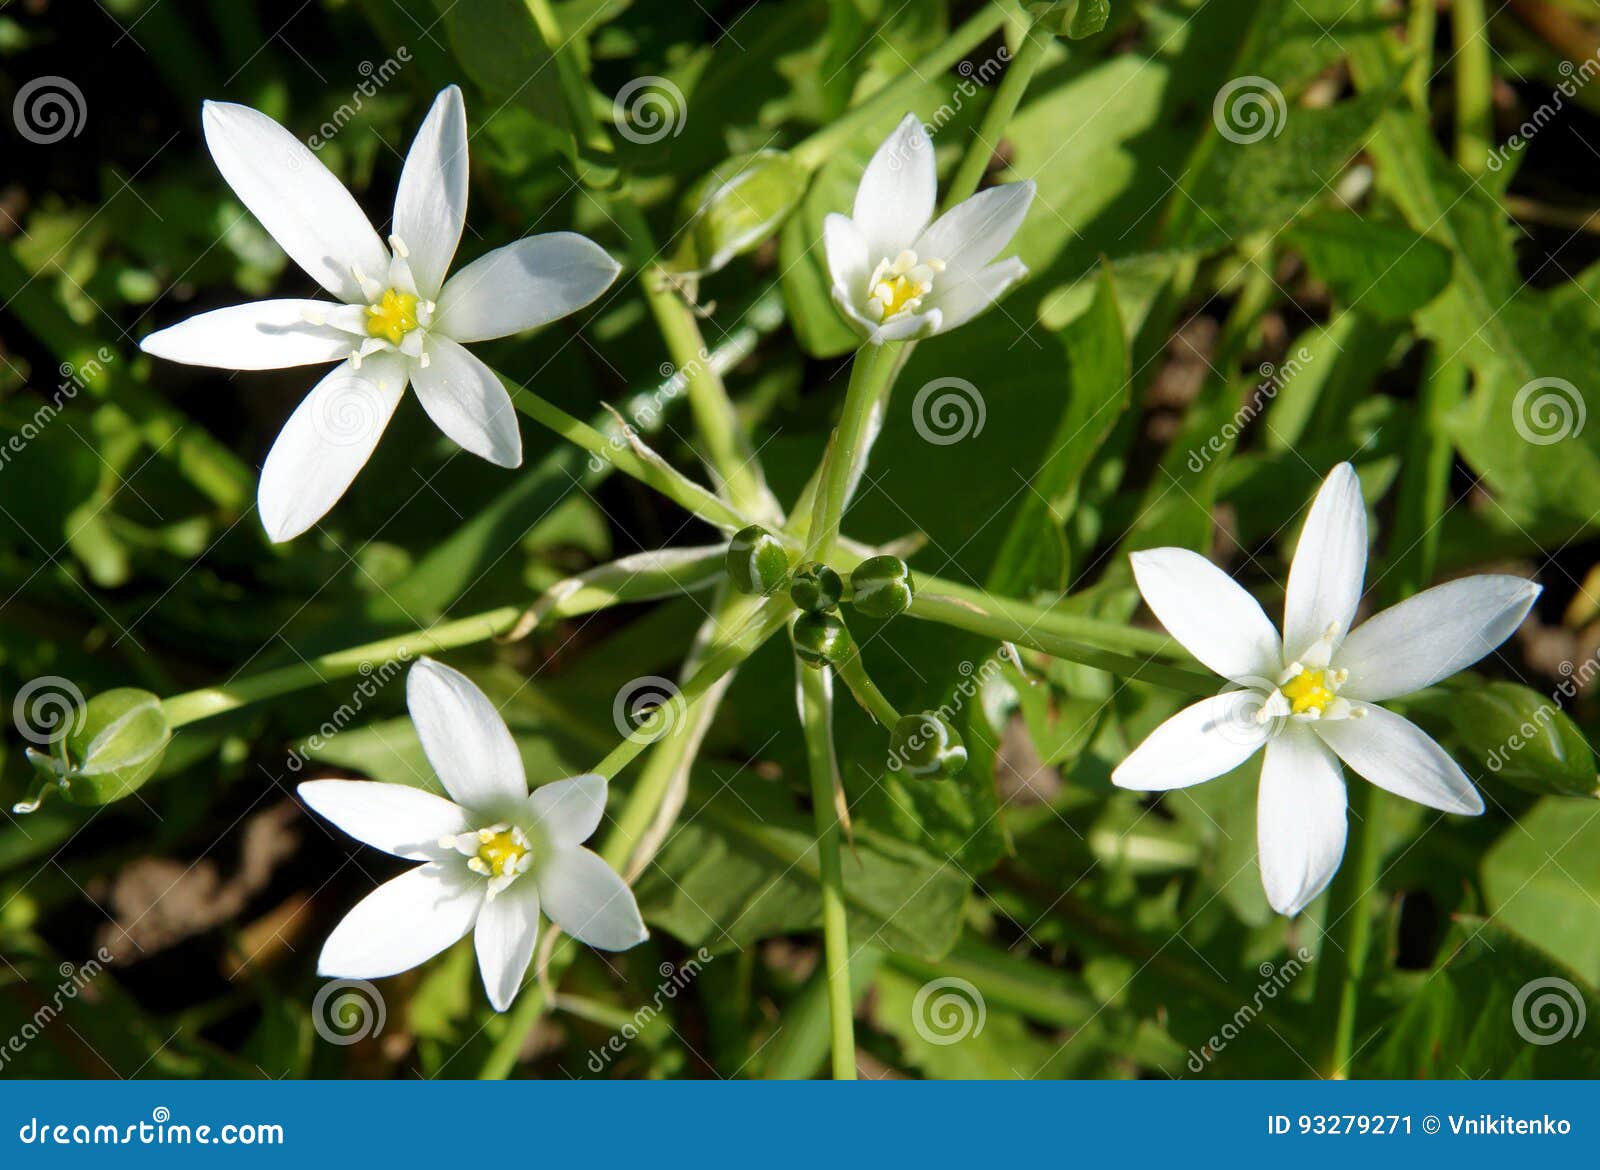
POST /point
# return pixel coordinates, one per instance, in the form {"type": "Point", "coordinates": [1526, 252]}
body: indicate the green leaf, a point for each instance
{"type": "Point", "coordinates": [742, 866]}
{"type": "Point", "coordinates": [1492, 1007]}
{"type": "Point", "coordinates": [1387, 271]}
{"type": "Point", "coordinates": [1097, 391]}
{"type": "Point", "coordinates": [1518, 735]}
{"type": "Point", "coordinates": [1542, 880]}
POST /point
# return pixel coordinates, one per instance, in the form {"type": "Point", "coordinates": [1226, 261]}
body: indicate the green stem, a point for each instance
{"type": "Point", "coordinates": [1419, 40]}
{"type": "Point", "coordinates": [192, 706]}
{"type": "Point", "coordinates": [1091, 631]}
{"type": "Point", "coordinates": [874, 366]}
{"type": "Point", "coordinates": [654, 472]}
{"type": "Point", "coordinates": [825, 143]}
{"type": "Point", "coordinates": [1474, 79]}
{"type": "Point", "coordinates": [816, 717]}
{"type": "Point", "coordinates": [727, 445]}
{"type": "Point", "coordinates": [951, 612]}
{"type": "Point", "coordinates": [574, 89]}
{"type": "Point", "coordinates": [853, 672]}
{"type": "Point", "coordinates": [1008, 95]}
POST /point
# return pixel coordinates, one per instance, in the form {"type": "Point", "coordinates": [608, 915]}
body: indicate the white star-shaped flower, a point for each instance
{"type": "Point", "coordinates": [492, 856]}
{"type": "Point", "coordinates": [396, 321]}
{"type": "Point", "coordinates": [1310, 699]}
{"type": "Point", "coordinates": [896, 275]}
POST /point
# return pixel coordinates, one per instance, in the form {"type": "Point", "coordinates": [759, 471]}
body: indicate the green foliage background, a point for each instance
{"type": "Point", "coordinates": [1177, 275]}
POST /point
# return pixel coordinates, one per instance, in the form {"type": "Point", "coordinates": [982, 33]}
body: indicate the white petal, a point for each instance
{"type": "Point", "coordinates": [396, 818]}
{"type": "Point", "coordinates": [403, 922]}
{"type": "Point", "coordinates": [975, 231]}
{"type": "Point", "coordinates": [529, 283]}
{"type": "Point", "coordinates": [1211, 737]}
{"type": "Point", "coordinates": [585, 897]}
{"type": "Point", "coordinates": [465, 739]}
{"type": "Point", "coordinates": [297, 199]}
{"type": "Point", "coordinates": [508, 926]}
{"type": "Point", "coordinates": [327, 440]}
{"type": "Point", "coordinates": [846, 250]}
{"type": "Point", "coordinates": [895, 199]}
{"type": "Point", "coordinates": [1300, 819]}
{"type": "Point", "coordinates": [468, 402]}
{"type": "Point", "coordinates": [960, 297]}
{"type": "Point", "coordinates": [1433, 635]}
{"type": "Point", "coordinates": [262, 335]}
{"type": "Point", "coordinates": [1399, 757]}
{"type": "Point", "coordinates": [569, 811]}
{"type": "Point", "coordinates": [1330, 563]}
{"type": "Point", "coordinates": [430, 208]}
{"type": "Point", "coordinates": [1209, 614]}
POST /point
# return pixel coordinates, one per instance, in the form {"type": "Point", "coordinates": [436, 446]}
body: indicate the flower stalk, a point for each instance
{"type": "Point", "coordinates": [815, 694]}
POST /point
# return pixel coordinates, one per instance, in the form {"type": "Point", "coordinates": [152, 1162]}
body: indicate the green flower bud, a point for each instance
{"type": "Point", "coordinates": [114, 745]}
{"type": "Point", "coordinates": [820, 638]}
{"type": "Point", "coordinates": [1074, 19]}
{"type": "Point", "coordinates": [736, 207]}
{"type": "Point", "coordinates": [757, 562]}
{"type": "Point", "coordinates": [1519, 735]}
{"type": "Point", "coordinates": [816, 588]}
{"type": "Point", "coordinates": [881, 586]}
{"type": "Point", "coordinates": [926, 744]}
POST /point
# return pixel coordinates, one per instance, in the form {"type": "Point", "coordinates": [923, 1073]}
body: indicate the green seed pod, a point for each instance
{"type": "Point", "coordinates": [816, 588]}
{"type": "Point", "coordinates": [757, 562]}
{"type": "Point", "coordinates": [735, 207]}
{"type": "Point", "coordinates": [115, 744]}
{"type": "Point", "coordinates": [820, 638]}
{"type": "Point", "coordinates": [926, 744]}
{"type": "Point", "coordinates": [1518, 735]}
{"type": "Point", "coordinates": [881, 586]}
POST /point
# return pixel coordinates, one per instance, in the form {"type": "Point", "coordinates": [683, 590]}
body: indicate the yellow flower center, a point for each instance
{"type": "Point", "coordinates": [393, 316]}
{"type": "Point", "coordinates": [898, 286]}
{"type": "Point", "coordinates": [499, 852]}
{"type": "Point", "coordinates": [1308, 691]}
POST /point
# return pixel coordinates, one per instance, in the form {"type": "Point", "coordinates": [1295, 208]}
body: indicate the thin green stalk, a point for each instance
{"type": "Point", "coordinates": [727, 445]}
{"type": "Point", "coordinates": [1469, 25]}
{"type": "Point", "coordinates": [1420, 30]}
{"type": "Point", "coordinates": [869, 375]}
{"type": "Point", "coordinates": [950, 612]}
{"type": "Point", "coordinates": [651, 471]}
{"type": "Point", "coordinates": [192, 706]}
{"type": "Point", "coordinates": [853, 673]}
{"type": "Point", "coordinates": [1347, 928]}
{"type": "Point", "coordinates": [816, 718]}
{"type": "Point", "coordinates": [1008, 95]}
{"type": "Point", "coordinates": [574, 88]}
{"type": "Point", "coordinates": [1090, 631]}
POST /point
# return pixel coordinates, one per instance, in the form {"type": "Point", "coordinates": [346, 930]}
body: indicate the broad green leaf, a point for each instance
{"type": "Point", "coordinates": [1542, 880]}
{"type": "Point", "coordinates": [1493, 1006]}
{"type": "Point", "coordinates": [1385, 270]}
